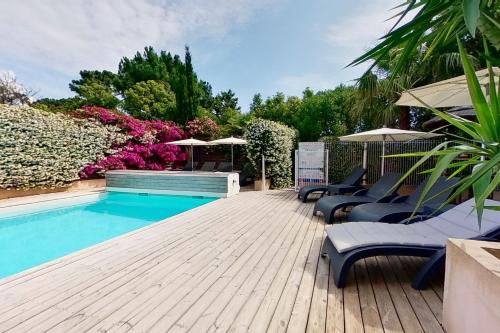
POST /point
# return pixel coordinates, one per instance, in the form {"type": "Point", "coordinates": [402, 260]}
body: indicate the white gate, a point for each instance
{"type": "Point", "coordinates": [311, 164]}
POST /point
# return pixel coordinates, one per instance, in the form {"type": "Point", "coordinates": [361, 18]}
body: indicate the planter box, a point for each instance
{"type": "Point", "coordinates": [472, 286]}
{"type": "Point", "coordinates": [258, 184]}
{"type": "Point", "coordinates": [75, 186]}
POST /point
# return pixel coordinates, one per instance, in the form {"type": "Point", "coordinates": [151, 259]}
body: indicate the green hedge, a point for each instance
{"type": "Point", "coordinates": [276, 142]}
{"type": "Point", "coordinates": [43, 149]}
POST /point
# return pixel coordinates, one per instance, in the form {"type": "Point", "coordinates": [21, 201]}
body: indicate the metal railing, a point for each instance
{"type": "Point", "coordinates": [344, 156]}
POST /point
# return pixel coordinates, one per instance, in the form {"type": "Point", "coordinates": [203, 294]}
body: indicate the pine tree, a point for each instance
{"type": "Point", "coordinates": [191, 93]}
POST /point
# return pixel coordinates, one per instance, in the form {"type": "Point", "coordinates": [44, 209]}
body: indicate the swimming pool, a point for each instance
{"type": "Point", "coordinates": [34, 234]}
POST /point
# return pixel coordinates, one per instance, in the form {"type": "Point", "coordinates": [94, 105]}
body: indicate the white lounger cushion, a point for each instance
{"type": "Point", "coordinates": [458, 222]}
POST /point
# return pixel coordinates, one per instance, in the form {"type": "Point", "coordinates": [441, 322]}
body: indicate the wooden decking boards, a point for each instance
{"type": "Point", "coordinates": [247, 263]}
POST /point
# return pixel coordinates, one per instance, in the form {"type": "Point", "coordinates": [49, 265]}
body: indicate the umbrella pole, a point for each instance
{"type": "Point", "coordinates": [263, 183]}
{"type": "Point", "coordinates": [365, 160]}
{"type": "Point", "coordinates": [192, 163]}
{"type": "Point", "coordinates": [232, 158]}
{"type": "Point", "coordinates": [382, 167]}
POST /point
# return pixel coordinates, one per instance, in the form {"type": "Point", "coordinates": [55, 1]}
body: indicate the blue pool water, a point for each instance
{"type": "Point", "coordinates": [32, 239]}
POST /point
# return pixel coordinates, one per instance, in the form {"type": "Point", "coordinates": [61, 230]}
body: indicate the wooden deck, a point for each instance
{"type": "Point", "coordinates": [247, 263]}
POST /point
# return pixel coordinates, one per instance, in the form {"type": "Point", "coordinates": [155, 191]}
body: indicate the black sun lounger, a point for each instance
{"type": "Point", "coordinates": [402, 207]}
{"type": "Point", "coordinates": [224, 167]}
{"type": "Point", "coordinates": [377, 193]}
{"type": "Point", "coordinates": [189, 166]}
{"type": "Point", "coordinates": [208, 166]}
{"type": "Point", "coordinates": [349, 242]}
{"type": "Point", "coordinates": [349, 185]}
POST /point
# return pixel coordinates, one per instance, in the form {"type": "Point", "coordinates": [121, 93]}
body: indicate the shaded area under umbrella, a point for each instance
{"type": "Point", "coordinates": [191, 143]}
{"type": "Point", "coordinates": [386, 134]}
{"type": "Point", "coordinates": [230, 141]}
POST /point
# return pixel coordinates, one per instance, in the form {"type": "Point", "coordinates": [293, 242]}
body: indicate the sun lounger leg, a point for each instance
{"type": "Point", "coordinates": [341, 264]}
{"type": "Point", "coordinates": [428, 269]}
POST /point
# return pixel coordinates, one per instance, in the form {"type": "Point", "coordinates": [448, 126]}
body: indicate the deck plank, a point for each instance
{"type": "Point", "coordinates": [335, 307]}
{"type": "Point", "coordinates": [422, 310]}
{"type": "Point", "coordinates": [385, 305]}
{"type": "Point", "coordinates": [301, 308]}
{"type": "Point", "coordinates": [352, 308]}
{"type": "Point", "coordinates": [247, 263]}
{"type": "Point", "coordinates": [226, 317]}
{"type": "Point", "coordinates": [369, 309]}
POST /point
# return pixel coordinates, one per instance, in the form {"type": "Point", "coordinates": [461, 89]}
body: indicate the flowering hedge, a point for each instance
{"type": "Point", "coordinates": [146, 149]}
{"type": "Point", "coordinates": [203, 128]}
{"type": "Point", "coordinates": [42, 149]}
{"type": "Point", "coordinates": [276, 142]}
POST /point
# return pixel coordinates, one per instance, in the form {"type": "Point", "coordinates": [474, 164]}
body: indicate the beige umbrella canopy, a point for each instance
{"type": "Point", "coordinates": [190, 142]}
{"type": "Point", "coordinates": [447, 93]}
{"type": "Point", "coordinates": [387, 134]}
{"type": "Point", "coordinates": [230, 141]}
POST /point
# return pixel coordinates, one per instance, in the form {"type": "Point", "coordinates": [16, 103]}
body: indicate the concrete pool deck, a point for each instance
{"type": "Point", "coordinates": [246, 263]}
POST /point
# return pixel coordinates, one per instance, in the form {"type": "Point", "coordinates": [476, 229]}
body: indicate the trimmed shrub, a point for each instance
{"type": "Point", "coordinates": [43, 149]}
{"type": "Point", "coordinates": [276, 142]}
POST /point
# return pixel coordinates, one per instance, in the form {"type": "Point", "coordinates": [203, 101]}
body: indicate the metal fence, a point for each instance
{"type": "Point", "coordinates": [344, 156]}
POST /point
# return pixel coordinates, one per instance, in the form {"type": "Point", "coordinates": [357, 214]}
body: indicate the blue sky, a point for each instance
{"type": "Point", "coordinates": [249, 46]}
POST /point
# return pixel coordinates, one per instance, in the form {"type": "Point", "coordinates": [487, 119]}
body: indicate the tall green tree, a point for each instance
{"type": "Point", "coordinates": [275, 108]}
{"type": "Point", "coordinates": [326, 113]}
{"type": "Point", "coordinates": [94, 92]}
{"type": "Point", "coordinates": [224, 103]}
{"type": "Point", "coordinates": [150, 100]}
{"type": "Point", "coordinates": [105, 78]}
{"type": "Point", "coordinates": [257, 104]}
{"type": "Point", "coordinates": [142, 67]}
{"type": "Point", "coordinates": [192, 96]}
{"type": "Point", "coordinates": [191, 91]}
{"type": "Point", "coordinates": [315, 115]}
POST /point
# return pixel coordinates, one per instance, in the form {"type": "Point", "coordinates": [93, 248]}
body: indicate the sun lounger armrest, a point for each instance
{"type": "Point", "coordinates": [399, 199]}
{"type": "Point", "coordinates": [361, 192]}
{"type": "Point", "coordinates": [435, 210]}
{"type": "Point", "coordinates": [486, 239]}
{"type": "Point", "coordinates": [387, 198]}
{"type": "Point", "coordinates": [414, 219]}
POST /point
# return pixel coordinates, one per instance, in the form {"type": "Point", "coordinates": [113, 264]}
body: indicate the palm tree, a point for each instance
{"type": "Point", "coordinates": [436, 24]}
{"type": "Point", "coordinates": [379, 88]}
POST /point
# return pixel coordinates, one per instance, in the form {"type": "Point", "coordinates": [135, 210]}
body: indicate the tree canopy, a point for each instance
{"type": "Point", "coordinates": [315, 115]}
{"type": "Point", "coordinates": [161, 72]}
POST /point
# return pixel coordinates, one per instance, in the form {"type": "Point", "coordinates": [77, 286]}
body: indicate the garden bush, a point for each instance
{"type": "Point", "coordinates": [43, 149]}
{"type": "Point", "coordinates": [276, 142]}
{"type": "Point", "coordinates": [147, 146]}
{"type": "Point", "coordinates": [202, 128]}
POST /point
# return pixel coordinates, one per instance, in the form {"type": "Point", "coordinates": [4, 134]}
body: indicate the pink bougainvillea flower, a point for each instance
{"type": "Point", "coordinates": [147, 147]}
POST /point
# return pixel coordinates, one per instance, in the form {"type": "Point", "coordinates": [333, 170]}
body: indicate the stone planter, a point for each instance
{"type": "Point", "coordinates": [258, 185]}
{"type": "Point", "coordinates": [75, 186]}
{"type": "Point", "coordinates": [472, 286]}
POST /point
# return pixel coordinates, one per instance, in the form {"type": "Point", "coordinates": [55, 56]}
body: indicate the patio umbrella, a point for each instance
{"type": "Point", "coordinates": [466, 112]}
{"type": "Point", "coordinates": [447, 93]}
{"type": "Point", "coordinates": [387, 134]}
{"type": "Point", "coordinates": [190, 142]}
{"type": "Point", "coordinates": [230, 141]}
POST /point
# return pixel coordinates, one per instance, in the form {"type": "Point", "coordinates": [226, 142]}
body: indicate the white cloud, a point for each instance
{"type": "Point", "coordinates": [66, 36]}
{"type": "Point", "coordinates": [360, 29]}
